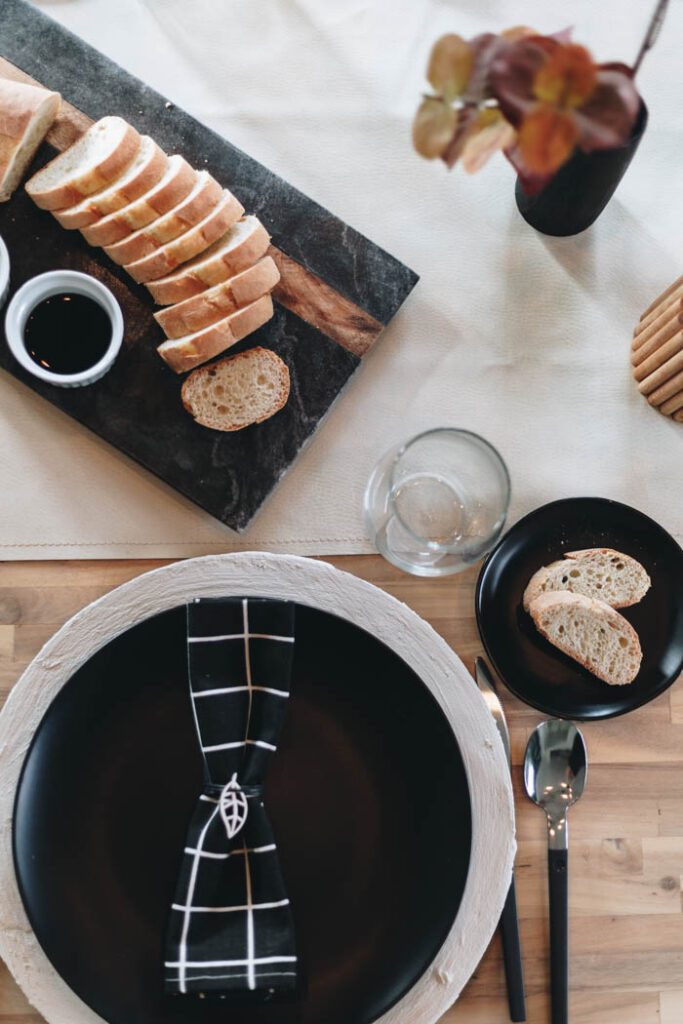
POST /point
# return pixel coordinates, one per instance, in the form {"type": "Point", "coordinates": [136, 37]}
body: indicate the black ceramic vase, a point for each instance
{"type": "Point", "coordinates": [581, 189]}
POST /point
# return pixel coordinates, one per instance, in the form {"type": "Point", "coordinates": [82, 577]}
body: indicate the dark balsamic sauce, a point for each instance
{"type": "Point", "coordinates": [67, 333]}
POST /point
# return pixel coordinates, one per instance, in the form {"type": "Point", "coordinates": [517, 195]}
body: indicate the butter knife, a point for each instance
{"type": "Point", "coordinates": [509, 921]}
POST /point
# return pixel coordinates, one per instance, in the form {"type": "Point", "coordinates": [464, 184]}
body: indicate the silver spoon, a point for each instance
{"type": "Point", "coordinates": [555, 769]}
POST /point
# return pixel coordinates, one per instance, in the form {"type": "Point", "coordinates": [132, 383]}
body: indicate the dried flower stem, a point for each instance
{"type": "Point", "coordinates": [652, 33]}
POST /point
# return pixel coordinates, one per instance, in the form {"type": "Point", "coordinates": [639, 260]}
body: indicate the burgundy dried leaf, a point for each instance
{"type": "Point", "coordinates": [512, 76]}
{"type": "Point", "coordinates": [485, 49]}
{"type": "Point", "coordinates": [532, 184]}
{"type": "Point", "coordinates": [465, 119]}
{"type": "Point", "coordinates": [607, 118]}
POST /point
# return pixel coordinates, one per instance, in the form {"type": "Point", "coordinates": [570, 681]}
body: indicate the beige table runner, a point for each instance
{"type": "Point", "coordinates": [520, 337]}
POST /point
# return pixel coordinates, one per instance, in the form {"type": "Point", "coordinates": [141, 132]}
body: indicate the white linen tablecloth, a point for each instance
{"type": "Point", "coordinates": [522, 338]}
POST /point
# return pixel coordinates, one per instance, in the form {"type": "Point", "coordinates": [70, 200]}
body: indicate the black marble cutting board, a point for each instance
{"type": "Point", "coordinates": [338, 289]}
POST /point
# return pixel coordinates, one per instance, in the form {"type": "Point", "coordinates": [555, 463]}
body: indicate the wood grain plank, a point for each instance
{"type": "Point", "coordinates": [676, 704]}
{"type": "Point", "coordinates": [300, 290]}
{"type": "Point", "coordinates": [604, 1007]}
{"type": "Point", "coordinates": [6, 641]}
{"type": "Point", "coordinates": [671, 1007]}
{"type": "Point", "coordinates": [604, 935]}
{"type": "Point", "coordinates": [670, 810]}
{"type": "Point", "coordinates": [607, 877]}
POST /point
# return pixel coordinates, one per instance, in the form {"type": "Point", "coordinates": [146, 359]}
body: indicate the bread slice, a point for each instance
{"type": "Point", "coordinates": [90, 164]}
{"type": "Point", "coordinates": [177, 182]}
{"type": "Point", "coordinates": [238, 391]}
{"type": "Point", "coordinates": [602, 573]}
{"type": "Point", "coordinates": [142, 174]}
{"type": "Point", "coordinates": [241, 246]}
{"type": "Point", "coordinates": [26, 115]}
{"type": "Point", "coordinates": [220, 301]}
{"type": "Point", "coordinates": [590, 632]}
{"type": "Point", "coordinates": [183, 354]}
{"type": "Point", "coordinates": [203, 198]}
{"type": "Point", "coordinates": [164, 260]}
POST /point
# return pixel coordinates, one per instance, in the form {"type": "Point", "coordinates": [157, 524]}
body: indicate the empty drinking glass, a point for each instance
{"type": "Point", "coordinates": [438, 502]}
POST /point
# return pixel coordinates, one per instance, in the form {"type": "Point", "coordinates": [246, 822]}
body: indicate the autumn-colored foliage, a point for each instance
{"type": "Point", "coordinates": [537, 98]}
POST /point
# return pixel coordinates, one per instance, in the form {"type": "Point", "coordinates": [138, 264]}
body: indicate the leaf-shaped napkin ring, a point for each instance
{"type": "Point", "coordinates": [230, 928]}
{"type": "Point", "coordinates": [234, 807]}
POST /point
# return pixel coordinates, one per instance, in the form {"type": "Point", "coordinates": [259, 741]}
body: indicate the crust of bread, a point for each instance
{"type": "Point", "coordinates": [203, 274]}
{"type": "Point", "coordinates": [553, 599]}
{"type": "Point", "coordinates": [19, 105]}
{"type": "Point", "coordinates": [535, 585]}
{"type": "Point", "coordinates": [185, 354]}
{"type": "Point", "coordinates": [252, 353]}
{"type": "Point", "coordinates": [114, 197]}
{"type": "Point", "coordinates": [155, 203]}
{"type": "Point", "coordinates": [220, 301]}
{"type": "Point", "coordinates": [191, 243]}
{"type": "Point", "coordinates": [190, 211]}
{"type": "Point", "coordinates": [96, 177]}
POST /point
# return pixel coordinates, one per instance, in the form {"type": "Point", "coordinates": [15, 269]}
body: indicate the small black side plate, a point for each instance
{"type": "Point", "coordinates": [532, 668]}
{"type": "Point", "coordinates": [367, 796]}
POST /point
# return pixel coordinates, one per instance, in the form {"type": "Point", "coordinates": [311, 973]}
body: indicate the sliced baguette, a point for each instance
{"type": "Point", "coordinates": [238, 391]}
{"type": "Point", "coordinates": [602, 573]}
{"type": "Point", "coordinates": [142, 174]}
{"type": "Point", "coordinates": [203, 198]}
{"type": "Point", "coordinates": [184, 354]}
{"type": "Point", "coordinates": [220, 301]}
{"type": "Point", "coordinates": [177, 182]}
{"type": "Point", "coordinates": [238, 249]}
{"type": "Point", "coordinates": [26, 115]}
{"type": "Point", "coordinates": [95, 160]}
{"type": "Point", "coordinates": [590, 632]}
{"type": "Point", "coordinates": [191, 243]}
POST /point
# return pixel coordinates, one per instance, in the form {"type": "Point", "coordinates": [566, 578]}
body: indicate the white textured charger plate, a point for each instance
{"type": "Point", "coordinates": [320, 586]}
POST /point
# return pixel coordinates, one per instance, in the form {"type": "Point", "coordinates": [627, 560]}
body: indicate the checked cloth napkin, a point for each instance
{"type": "Point", "coordinates": [231, 928]}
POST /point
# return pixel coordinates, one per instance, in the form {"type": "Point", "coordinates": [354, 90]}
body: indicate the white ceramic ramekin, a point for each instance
{"type": "Point", "coordinates": [42, 287]}
{"type": "Point", "coordinates": [4, 272]}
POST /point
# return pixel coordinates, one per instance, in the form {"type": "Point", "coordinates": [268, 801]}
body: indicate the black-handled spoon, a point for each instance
{"type": "Point", "coordinates": [555, 770]}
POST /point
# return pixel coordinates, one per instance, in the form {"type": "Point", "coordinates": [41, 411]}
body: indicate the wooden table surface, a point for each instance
{"type": "Point", "coordinates": [626, 858]}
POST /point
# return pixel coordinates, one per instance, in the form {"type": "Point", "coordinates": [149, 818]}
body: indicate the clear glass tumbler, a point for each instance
{"type": "Point", "coordinates": [438, 502]}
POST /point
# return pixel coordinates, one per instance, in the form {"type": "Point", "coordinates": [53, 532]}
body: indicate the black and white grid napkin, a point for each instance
{"type": "Point", "coordinates": [231, 927]}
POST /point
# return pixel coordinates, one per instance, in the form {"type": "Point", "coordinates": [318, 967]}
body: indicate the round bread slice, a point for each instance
{"type": "Point", "coordinates": [197, 205]}
{"type": "Point", "coordinates": [602, 573]}
{"type": "Point", "coordinates": [590, 632]}
{"type": "Point", "coordinates": [177, 182]}
{"type": "Point", "coordinates": [142, 174]}
{"type": "Point", "coordinates": [220, 301]}
{"type": "Point", "coordinates": [238, 391]}
{"type": "Point", "coordinates": [26, 115]}
{"type": "Point", "coordinates": [183, 354]}
{"type": "Point", "coordinates": [90, 164]}
{"type": "Point", "coordinates": [240, 247]}
{"type": "Point", "coordinates": [191, 243]}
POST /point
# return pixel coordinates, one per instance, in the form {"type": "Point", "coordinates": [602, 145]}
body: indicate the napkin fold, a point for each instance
{"type": "Point", "coordinates": [231, 928]}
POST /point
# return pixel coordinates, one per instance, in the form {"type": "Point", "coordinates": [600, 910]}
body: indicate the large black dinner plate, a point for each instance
{"type": "Point", "coordinates": [367, 795]}
{"type": "Point", "coordinates": [530, 666]}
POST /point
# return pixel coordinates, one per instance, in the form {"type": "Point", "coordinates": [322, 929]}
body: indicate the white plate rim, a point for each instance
{"type": "Point", "coordinates": [322, 586]}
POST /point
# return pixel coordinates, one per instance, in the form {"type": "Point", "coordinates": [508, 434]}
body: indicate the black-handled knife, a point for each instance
{"type": "Point", "coordinates": [509, 921]}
